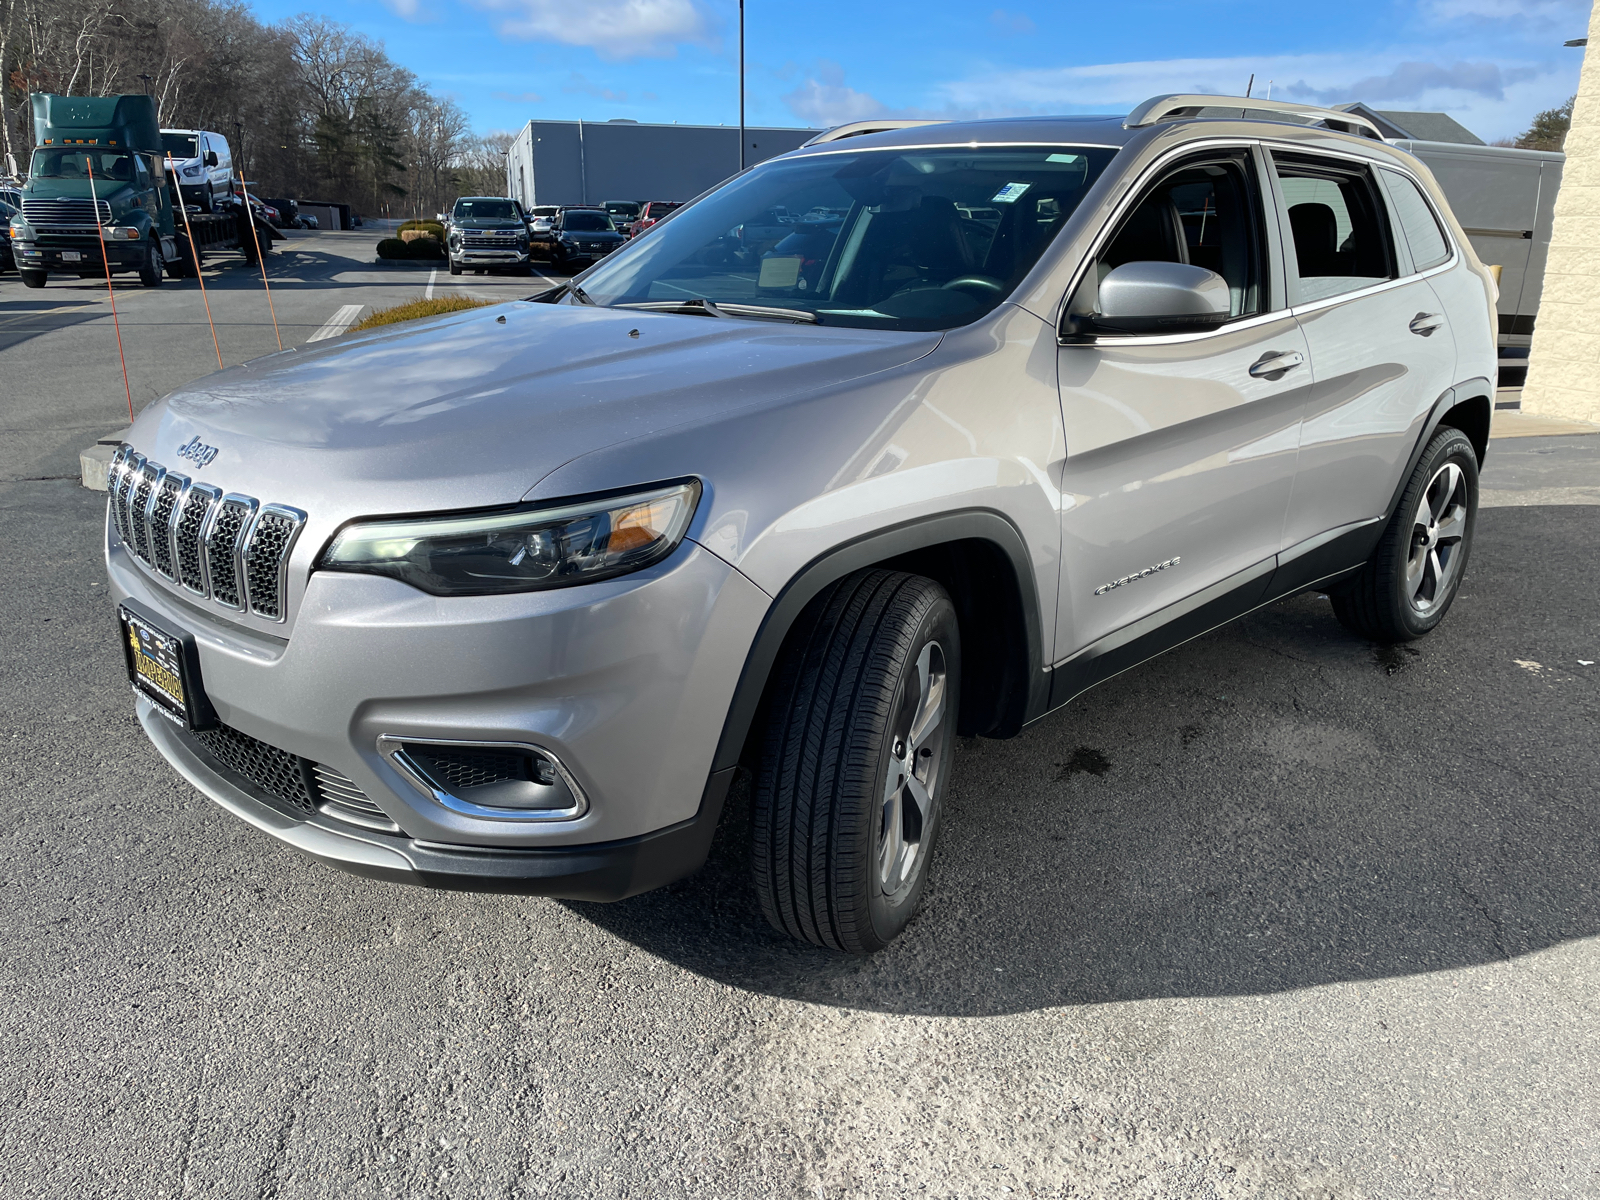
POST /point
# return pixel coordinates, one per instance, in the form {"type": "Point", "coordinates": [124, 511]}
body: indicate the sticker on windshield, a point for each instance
{"type": "Point", "coordinates": [779, 272]}
{"type": "Point", "coordinates": [1062, 158]}
{"type": "Point", "coordinates": [1009, 193]}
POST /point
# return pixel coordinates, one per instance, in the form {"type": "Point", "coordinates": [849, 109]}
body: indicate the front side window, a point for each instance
{"type": "Point", "coordinates": [1205, 214]}
{"type": "Point", "coordinates": [1417, 222]}
{"type": "Point", "coordinates": [914, 239]}
{"type": "Point", "coordinates": [1336, 226]}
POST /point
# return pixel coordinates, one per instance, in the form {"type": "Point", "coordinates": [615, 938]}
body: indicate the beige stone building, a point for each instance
{"type": "Point", "coordinates": [1564, 364]}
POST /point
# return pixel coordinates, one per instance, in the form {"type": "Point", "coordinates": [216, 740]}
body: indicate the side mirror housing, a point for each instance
{"type": "Point", "coordinates": [1158, 297]}
{"type": "Point", "coordinates": [211, 158]}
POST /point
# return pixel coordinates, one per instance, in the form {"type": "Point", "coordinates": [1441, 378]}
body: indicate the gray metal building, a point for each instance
{"type": "Point", "coordinates": [582, 162]}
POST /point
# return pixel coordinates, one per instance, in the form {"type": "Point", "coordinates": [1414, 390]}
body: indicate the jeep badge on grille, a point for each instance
{"type": "Point", "coordinates": [197, 452]}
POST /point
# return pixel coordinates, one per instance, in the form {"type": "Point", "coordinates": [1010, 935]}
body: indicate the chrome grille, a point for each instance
{"type": "Point", "coordinates": [229, 548]}
{"type": "Point", "coordinates": [222, 548]}
{"type": "Point", "coordinates": [73, 212]}
{"type": "Point", "coordinates": [489, 242]}
{"type": "Point", "coordinates": [163, 504]}
{"type": "Point", "coordinates": [193, 510]}
{"type": "Point", "coordinates": [343, 799]}
{"type": "Point", "coordinates": [138, 516]}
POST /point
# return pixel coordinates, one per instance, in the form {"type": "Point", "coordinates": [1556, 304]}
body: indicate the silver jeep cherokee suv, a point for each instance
{"type": "Point", "coordinates": [889, 439]}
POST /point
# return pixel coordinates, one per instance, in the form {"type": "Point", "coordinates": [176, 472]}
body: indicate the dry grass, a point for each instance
{"type": "Point", "coordinates": [438, 306]}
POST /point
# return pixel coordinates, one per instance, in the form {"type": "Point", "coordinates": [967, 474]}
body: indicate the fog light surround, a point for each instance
{"type": "Point", "coordinates": [497, 781]}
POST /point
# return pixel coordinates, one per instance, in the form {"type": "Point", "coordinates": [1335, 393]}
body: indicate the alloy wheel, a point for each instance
{"type": "Point", "coordinates": [1434, 562]}
{"type": "Point", "coordinates": [911, 784]}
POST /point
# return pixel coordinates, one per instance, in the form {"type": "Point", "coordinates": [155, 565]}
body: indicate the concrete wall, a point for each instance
{"type": "Point", "coordinates": [573, 162]}
{"type": "Point", "coordinates": [1564, 363]}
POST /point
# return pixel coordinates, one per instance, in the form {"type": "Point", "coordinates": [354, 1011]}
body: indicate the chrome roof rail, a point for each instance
{"type": "Point", "coordinates": [858, 128]}
{"type": "Point", "coordinates": [1177, 107]}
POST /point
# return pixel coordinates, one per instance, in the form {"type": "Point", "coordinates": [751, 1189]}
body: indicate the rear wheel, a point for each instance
{"type": "Point", "coordinates": [855, 761]}
{"type": "Point", "coordinates": [208, 199]}
{"type": "Point", "coordinates": [1408, 584]}
{"type": "Point", "coordinates": [33, 279]}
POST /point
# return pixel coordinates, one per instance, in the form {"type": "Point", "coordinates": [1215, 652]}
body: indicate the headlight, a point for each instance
{"type": "Point", "coordinates": [121, 233]}
{"type": "Point", "coordinates": [194, 170]}
{"type": "Point", "coordinates": [525, 550]}
{"type": "Point", "coordinates": [19, 228]}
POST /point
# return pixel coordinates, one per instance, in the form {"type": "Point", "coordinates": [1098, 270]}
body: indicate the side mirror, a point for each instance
{"type": "Point", "coordinates": [1159, 297]}
{"type": "Point", "coordinates": [211, 158]}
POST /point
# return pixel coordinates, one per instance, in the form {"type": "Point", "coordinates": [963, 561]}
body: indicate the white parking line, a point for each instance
{"type": "Point", "coordinates": [432, 275]}
{"type": "Point", "coordinates": [338, 323]}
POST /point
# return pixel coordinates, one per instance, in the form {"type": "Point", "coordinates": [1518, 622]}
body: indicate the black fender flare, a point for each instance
{"type": "Point", "coordinates": [832, 565]}
{"type": "Point", "coordinates": [1462, 393]}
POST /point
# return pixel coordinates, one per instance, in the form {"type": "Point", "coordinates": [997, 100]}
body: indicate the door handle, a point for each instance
{"type": "Point", "coordinates": [1423, 324]}
{"type": "Point", "coordinates": [1274, 363]}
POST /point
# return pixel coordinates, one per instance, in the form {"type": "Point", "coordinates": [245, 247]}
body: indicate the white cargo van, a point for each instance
{"type": "Point", "coordinates": [203, 164]}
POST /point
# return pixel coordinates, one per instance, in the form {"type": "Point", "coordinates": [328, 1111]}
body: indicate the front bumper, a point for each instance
{"type": "Point", "coordinates": [627, 682]}
{"type": "Point", "coordinates": [603, 871]}
{"type": "Point", "coordinates": [491, 258]}
{"type": "Point", "coordinates": [51, 256]}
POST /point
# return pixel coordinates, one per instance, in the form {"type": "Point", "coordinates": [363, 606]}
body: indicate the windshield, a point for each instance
{"type": "Point", "coordinates": [76, 164]}
{"type": "Point", "coordinates": [586, 222]}
{"type": "Point", "coordinates": [622, 208]}
{"type": "Point", "coordinates": [890, 239]}
{"type": "Point", "coordinates": [180, 145]}
{"type": "Point", "coordinates": [484, 210]}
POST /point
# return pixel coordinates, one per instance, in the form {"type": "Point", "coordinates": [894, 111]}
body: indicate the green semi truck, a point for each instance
{"type": "Point", "coordinates": [98, 198]}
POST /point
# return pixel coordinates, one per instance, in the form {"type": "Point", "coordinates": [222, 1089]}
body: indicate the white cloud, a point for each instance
{"type": "Point", "coordinates": [828, 101]}
{"type": "Point", "coordinates": [614, 29]}
{"type": "Point", "coordinates": [1520, 14]}
{"type": "Point", "coordinates": [411, 10]}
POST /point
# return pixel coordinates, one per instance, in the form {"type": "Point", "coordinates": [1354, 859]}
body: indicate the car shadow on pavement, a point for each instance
{"type": "Point", "coordinates": [1274, 806]}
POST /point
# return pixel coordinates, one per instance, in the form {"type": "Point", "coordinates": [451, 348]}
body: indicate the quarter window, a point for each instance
{"type": "Point", "coordinates": [1417, 222]}
{"type": "Point", "coordinates": [1336, 228]}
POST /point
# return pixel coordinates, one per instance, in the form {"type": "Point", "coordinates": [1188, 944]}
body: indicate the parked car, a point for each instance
{"type": "Point", "coordinates": [203, 164]}
{"type": "Point", "coordinates": [623, 212]}
{"type": "Point", "coordinates": [580, 236]}
{"type": "Point", "coordinates": [508, 599]}
{"type": "Point", "coordinates": [487, 232]}
{"type": "Point", "coordinates": [308, 221]}
{"type": "Point", "coordinates": [652, 212]}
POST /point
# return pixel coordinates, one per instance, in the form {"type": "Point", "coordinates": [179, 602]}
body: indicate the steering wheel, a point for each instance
{"type": "Point", "coordinates": [981, 283]}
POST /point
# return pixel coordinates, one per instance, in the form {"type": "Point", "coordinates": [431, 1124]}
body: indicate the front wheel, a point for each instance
{"type": "Point", "coordinates": [856, 759]}
{"type": "Point", "coordinates": [455, 267]}
{"type": "Point", "coordinates": [1408, 584]}
{"type": "Point", "coordinates": [32, 279]}
{"type": "Point", "coordinates": [154, 268]}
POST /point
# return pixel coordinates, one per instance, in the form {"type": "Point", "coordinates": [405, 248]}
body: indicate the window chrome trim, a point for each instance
{"type": "Point", "coordinates": [392, 747]}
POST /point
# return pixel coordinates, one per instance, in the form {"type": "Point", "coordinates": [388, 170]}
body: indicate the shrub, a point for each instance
{"type": "Point", "coordinates": [438, 306]}
{"type": "Point", "coordinates": [432, 228]}
{"type": "Point", "coordinates": [425, 247]}
{"type": "Point", "coordinates": [393, 248]}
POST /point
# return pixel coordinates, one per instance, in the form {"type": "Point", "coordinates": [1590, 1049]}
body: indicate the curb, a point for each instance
{"type": "Point", "coordinates": [94, 461]}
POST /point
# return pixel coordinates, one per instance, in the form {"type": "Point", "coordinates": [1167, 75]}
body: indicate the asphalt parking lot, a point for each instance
{"type": "Point", "coordinates": [1280, 914]}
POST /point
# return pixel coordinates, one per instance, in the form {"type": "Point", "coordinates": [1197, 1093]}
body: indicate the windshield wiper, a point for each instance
{"type": "Point", "coordinates": [708, 308]}
{"type": "Point", "coordinates": [578, 294]}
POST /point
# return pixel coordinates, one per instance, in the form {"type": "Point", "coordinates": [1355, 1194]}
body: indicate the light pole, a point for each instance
{"type": "Point", "coordinates": [741, 85]}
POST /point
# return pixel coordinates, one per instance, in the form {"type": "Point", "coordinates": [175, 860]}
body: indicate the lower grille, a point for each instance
{"type": "Point", "coordinates": [465, 767]}
{"type": "Point", "coordinates": [298, 786]}
{"type": "Point", "coordinates": [278, 773]}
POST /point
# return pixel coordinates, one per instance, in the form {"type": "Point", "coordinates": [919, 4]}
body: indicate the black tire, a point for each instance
{"type": "Point", "coordinates": [208, 200]}
{"type": "Point", "coordinates": [33, 279]}
{"type": "Point", "coordinates": [1412, 578]}
{"type": "Point", "coordinates": [850, 698]}
{"type": "Point", "coordinates": [455, 267]}
{"type": "Point", "coordinates": [154, 267]}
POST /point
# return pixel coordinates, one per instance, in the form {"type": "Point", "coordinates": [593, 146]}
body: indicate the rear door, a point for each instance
{"type": "Point", "coordinates": [1382, 351]}
{"type": "Point", "coordinates": [1180, 448]}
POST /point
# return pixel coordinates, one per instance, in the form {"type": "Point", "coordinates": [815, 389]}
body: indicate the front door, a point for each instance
{"type": "Point", "coordinates": [1181, 449]}
{"type": "Point", "coordinates": [1382, 351]}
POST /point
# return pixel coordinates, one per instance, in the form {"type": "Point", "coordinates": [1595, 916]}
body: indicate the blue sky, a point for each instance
{"type": "Point", "coordinates": [1490, 63]}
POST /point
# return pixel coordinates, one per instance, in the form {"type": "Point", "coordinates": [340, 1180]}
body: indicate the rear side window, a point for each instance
{"type": "Point", "coordinates": [1336, 228]}
{"type": "Point", "coordinates": [1417, 222]}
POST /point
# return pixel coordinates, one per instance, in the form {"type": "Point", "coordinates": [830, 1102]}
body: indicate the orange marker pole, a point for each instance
{"type": "Point", "coordinates": [105, 260]}
{"type": "Point", "coordinates": [194, 252]}
{"type": "Point", "coordinates": [250, 219]}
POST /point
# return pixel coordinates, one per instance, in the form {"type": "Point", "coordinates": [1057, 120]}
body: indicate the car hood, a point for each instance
{"type": "Point", "coordinates": [474, 409]}
{"type": "Point", "coordinates": [109, 190]}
